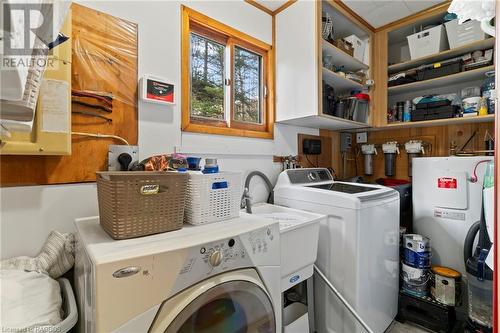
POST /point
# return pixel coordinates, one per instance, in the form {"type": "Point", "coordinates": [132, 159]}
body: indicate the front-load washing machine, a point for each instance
{"type": "Point", "coordinates": [220, 277]}
{"type": "Point", "coordinates": [358, 249]}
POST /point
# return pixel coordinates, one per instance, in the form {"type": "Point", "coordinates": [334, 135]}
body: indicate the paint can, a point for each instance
{"type": "Point", "coordinates": [446, 285]}
{"type": "Point", "coordinates": [415, 280]}
{"type": "Point", "coordinates": [417, 251]}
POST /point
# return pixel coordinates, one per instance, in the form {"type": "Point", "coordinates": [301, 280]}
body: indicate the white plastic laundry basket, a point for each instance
{"type": "Point", "coordinates": [212, 197]}
{"type": "Point", "coordinates": [70, 312]}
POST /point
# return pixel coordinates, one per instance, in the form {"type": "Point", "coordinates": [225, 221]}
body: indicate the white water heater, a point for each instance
{"type": "Point", "coordinates": [446, 202]}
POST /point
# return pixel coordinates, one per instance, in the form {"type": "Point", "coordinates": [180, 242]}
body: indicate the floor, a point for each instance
{"type": "Point", "coordinates": [398, 327]}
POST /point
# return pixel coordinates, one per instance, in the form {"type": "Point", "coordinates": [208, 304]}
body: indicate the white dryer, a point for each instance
{"type": "Point", "coordinates": [220, 277]}
{"type": "Point", "coordinates": [358, 248]}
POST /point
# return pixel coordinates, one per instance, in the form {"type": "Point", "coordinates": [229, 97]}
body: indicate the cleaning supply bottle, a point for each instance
{"type": "Point", "coordinates": [407, 112]}
{"type": "Point", "coordinates": [483, 107]}
{"type": "Point", "coordinates": [211, 165]}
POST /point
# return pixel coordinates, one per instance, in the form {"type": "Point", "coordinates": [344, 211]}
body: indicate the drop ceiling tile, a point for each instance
{"type": "Point", "coordinates": [381, 12]}
{"type": "Point", "coordinates": [419, 5]}
{"type": "Point", "coordinates": [387, 12]}
{"type": "Point", "coordinates": [361, 7]}
{"type": "Point", "coordinates": [272, 4]}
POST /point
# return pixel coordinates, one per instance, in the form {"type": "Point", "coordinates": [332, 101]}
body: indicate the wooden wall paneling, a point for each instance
{"type": "Point", "coordinates": [311, 161]}
{"type": "Point", "coordinates": [439, 137]}
{"type": "Point", "coordinates": [336, 162]}
{"type": "Point", "coordinates": [104, 60]}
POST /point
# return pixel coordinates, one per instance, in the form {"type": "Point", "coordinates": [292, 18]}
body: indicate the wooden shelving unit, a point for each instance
{"type": "Point", "coordinates": [475, 74]}
{"type": "Point", "coordinates": [341, 58]}
{"type": "Point", "coordinates": [344, 25]}
{"type": "Point", "coordinates": [480, 45]}
{"type": "Point", "coordinates": [391, 50]}
{"type": "Point", "coordinates": [339, 82]}
{"type": "Point", "coordinates": [441, 122]}
{"type": "Point", "coordinates": [300, 72]}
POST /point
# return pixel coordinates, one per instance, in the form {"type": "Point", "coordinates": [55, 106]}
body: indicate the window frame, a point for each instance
{"type": "Point", "coordinates": [198, 23]}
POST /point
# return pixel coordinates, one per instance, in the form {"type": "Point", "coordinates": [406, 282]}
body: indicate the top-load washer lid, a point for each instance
{"type": "Point", "coordinates": [316, 186]}
{"type": "Point", "coordinates": [345, 188]}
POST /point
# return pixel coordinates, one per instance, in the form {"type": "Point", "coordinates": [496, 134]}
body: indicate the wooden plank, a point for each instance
{"type": "Point", "coordinates": [104, 60]}
{"type": "Point", "coordinates": [379, 101]}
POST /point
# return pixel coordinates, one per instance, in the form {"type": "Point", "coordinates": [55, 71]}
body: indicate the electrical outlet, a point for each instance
{"type": "Point", "coordinates": [361, 137]}
{"type": "Point", "coordinates": [115, 150]}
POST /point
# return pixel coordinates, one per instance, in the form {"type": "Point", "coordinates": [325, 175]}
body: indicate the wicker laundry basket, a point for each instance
{"type": "Point", "coordinates": [134, 204]}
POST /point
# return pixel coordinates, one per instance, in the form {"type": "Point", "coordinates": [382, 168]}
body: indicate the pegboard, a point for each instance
{"type": "Point", "coordinates": [104, 61]}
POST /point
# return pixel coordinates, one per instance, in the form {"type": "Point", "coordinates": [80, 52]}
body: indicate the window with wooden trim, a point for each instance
{"type": "Point", "coordinates": [227, 79]}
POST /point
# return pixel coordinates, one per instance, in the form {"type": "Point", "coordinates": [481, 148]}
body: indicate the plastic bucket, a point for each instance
{"type": "Point", "coordinates": [417, 251]}
{"type": "Point", "coordinates": [415, 280]}
{"type": "Point", "coordinates": [446, 285]}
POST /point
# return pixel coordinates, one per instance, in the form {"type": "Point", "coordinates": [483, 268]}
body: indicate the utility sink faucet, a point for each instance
{"type": "Point", "coordinates": [247, 200]}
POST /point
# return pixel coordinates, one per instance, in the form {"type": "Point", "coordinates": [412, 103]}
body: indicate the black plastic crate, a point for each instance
{"type": "Point", "coordinates": [426, 312]}
{"type": "Point", "coordinates": [403, 78]}
{"type": "Point", "coordinates": [431, 105]}
{"type": "Point", "coordinates": [443, 112]}
{"type": "Point", "coordinates": [433, 71]}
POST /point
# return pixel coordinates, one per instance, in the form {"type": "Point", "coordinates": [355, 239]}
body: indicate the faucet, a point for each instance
{"type": "Point", "coordinates": [247, 201]}
{"type": "Point", "coordinates": [246, 193]}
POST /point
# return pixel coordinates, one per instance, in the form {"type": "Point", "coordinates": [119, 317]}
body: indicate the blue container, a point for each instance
{"type": "Point", "coordinates": [417, 251]}
{"type": "Point", "coordinates": [214, 169]}
{"type": "Point", "coordinates": [417, 259]}
{"type": "Point", "coordinates": [415, 280]}
{"type": "Point", "coordinates": [193, 163]}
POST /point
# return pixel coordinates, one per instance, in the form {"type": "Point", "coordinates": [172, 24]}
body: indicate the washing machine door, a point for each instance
{"type": "Point", "coordinates": [234, 302]}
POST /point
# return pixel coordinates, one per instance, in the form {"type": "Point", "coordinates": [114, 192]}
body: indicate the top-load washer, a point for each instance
{"type": "Point", "coordinates": [358, 246]}
{"type": "Point", "coordinates": [220, 277]}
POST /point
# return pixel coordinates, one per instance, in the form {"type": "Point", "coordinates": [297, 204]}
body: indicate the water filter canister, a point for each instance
{"type": "Point", "coordinates": [368, 150]}
{"type": "Point", "coordinates": [390, 150]}
{"type": "Point", "coordinates": [414, 148]}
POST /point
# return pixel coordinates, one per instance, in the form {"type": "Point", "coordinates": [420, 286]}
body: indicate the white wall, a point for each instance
{"type": "Point", "coordinates": [28, 214]}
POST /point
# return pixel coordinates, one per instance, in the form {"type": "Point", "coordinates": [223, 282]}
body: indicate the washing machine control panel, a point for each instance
{"type": "Point", "coordinates": [259, 247]}
{"type": "Point", "coordinates": [223, 253]}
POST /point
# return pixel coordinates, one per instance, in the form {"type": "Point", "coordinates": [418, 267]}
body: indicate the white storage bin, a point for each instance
{"type": "Point", "coordinates": [427, 42]}
{"type": "Point", "coordinates": [212, 197]}
{"type": "Point", "coordinates": [463, 34]}
{"type": "Point", "coordinates": [358, 45]}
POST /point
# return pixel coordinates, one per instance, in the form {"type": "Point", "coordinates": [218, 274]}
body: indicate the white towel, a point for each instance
{"type": "Point", "coordinates": [55, 259]}
{"type": "Point", "coordinates": [28, 300]}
